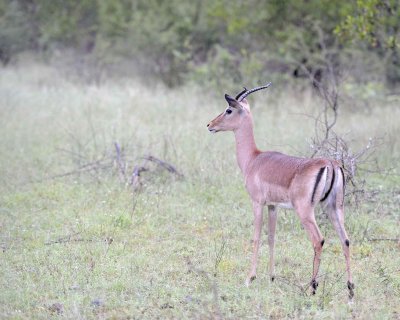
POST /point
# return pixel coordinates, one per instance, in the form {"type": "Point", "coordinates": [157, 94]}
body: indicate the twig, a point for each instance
{"type": "Point", "coordinates": [63, 239]}
{"type": "Point", "coordinates": [167, 166]}
{"type": "Point", "coordinates": [68, 240]}
{"type": "Point", "coordinates": [384, 239]}
{"type": "Point", "coordinates": [69, 237]}
{"type": "Point", "coordinates": [302, 290]}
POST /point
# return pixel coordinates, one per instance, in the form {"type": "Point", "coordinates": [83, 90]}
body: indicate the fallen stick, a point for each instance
{"type": "Point", "coordinates": [384, 239]}
{"type": "Point", "coordinates": [167, 166]}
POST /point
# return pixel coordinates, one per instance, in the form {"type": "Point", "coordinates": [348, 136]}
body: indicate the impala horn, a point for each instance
{"type": "Point", "coordinates": [246, 92]}
{"type": "Point", "coordinates": [240, 93]}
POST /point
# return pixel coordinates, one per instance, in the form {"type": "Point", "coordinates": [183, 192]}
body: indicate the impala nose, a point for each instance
{"type": "Point", "coordinates": [208, 125]}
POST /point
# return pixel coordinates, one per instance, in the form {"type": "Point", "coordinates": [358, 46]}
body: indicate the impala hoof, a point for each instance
{"type": "Point", "coordinates": [350, 286]}
{"type": "Point", "coordinates": [250, 280]}
{"type": "Point", "coordinates": [314, 285]}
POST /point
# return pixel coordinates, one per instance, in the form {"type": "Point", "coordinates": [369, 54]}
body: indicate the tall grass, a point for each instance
{"type": "Point", "coordinates": [86, 246]}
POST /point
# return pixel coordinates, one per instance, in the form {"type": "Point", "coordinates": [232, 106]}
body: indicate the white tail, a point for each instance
{"type": "Point", "coordinates": [278, 180]}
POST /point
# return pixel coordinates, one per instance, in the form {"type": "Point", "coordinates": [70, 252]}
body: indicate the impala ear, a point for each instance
{"type": "Point", "coordinates": [232, 102]}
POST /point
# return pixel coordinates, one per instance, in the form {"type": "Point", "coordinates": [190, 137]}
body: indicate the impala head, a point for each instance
{"type": "Point", "coordinates": [231, 118]}
{"type": "Point", "coordinates": [237, 111]}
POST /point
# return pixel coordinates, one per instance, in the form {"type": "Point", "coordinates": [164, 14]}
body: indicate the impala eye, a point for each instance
{"type": "Point", "coordinates": [228, 111]}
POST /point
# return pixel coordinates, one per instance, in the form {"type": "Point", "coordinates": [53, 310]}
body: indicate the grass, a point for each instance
{"type": "Point", "coordinates": [85, 246]}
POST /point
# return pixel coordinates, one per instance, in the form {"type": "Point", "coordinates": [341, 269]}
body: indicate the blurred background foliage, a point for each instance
{"type": "Point", "coordinates": [210, 42]}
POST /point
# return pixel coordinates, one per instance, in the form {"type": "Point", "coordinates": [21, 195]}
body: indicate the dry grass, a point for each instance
{"type": "Point", "coordinates": [84, 246]}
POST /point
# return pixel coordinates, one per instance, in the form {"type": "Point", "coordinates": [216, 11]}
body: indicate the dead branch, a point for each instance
{"type": "Point", "coordinates": [70, 238]}
{"type": "Point", "coordinates": [115, 161]}
{"type": "Point", "coordinates": [136, 181]}
{"type": "Point", "coordinates": [63, 239]}
{"type": "Point", "coordinates": [383, 239]}
{"type": "Point", "coordinates": [167, 166]}
{"type": "Point", "coordinates": [59, 241]}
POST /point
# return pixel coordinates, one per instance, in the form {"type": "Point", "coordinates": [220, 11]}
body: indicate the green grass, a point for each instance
{"type": "Point", "coordinates": [86, 246]}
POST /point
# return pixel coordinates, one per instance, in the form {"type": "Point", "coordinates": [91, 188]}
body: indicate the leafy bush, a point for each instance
{"type": "Point", "coordinates": [209, 42]}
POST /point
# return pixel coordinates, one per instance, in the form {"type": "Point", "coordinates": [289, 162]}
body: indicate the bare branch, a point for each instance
{"type": "Point", "coordinates": [167, 166]}
{"type": "Point", "coordinates": [70, 238]}
{"type": "Point", "coordinates": [384, 239]}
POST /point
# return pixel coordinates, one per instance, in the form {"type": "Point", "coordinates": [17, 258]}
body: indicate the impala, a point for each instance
{"type": "Point", "coordinates": [277, 180]}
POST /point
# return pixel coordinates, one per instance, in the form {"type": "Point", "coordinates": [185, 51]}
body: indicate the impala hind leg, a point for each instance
{"type": "Point", "coordinates": [336, 215]}
{"type": "Point", "coordinates": [310, 225]}
{"type": "Point", "coordinates": [258, 219]}
{"type": "Point", "coordinates": [272, 215]}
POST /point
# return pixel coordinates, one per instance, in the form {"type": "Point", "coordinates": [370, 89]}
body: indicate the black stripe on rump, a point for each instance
{"type": "Point", "coordinates": [344, 182]}
{"type": "Point", "coordinates": [319, 175]}
{"type": "Point", "coordinates": [330, 188]}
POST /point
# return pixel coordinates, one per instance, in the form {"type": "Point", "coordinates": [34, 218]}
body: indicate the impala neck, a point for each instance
{"type": "Point", "coordinates": [246, 149]}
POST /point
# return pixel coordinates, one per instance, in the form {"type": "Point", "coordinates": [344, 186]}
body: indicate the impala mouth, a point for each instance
{"type": "Point", "coordinates": [213, 130]}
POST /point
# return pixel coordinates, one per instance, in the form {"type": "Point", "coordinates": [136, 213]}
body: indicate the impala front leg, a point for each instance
{"type": "Point", "coordinates": [258, 219]}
